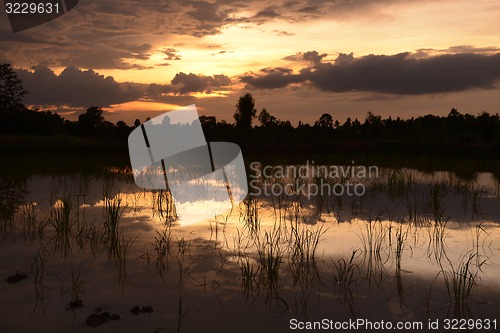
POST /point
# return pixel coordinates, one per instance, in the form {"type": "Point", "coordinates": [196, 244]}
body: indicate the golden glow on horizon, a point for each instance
{"type": "Point", "coordinates": [142, 106]}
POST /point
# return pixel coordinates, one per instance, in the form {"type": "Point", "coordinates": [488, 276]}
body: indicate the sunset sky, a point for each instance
{"type": "Point", "coordinates": [298, 58]}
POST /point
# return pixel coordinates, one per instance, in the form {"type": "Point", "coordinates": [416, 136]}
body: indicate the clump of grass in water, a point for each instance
{"type": "Point", "coordinates": [89, 235]}
{"type": "Point", "coordinates": [303, 243]}
{"type": "Point", "coordinates": [401, 237]}
{"type": "Point", "coordinates": [344, 271]}
{"type": "Point", "coordinates": [77, 289]}
{"type": "Point", "coordinates": [162, 245]}
{"type": "Point", "coordinates": [400, 245]}
{"type": "Point", "coordinates": [471, 197]}
{"type": "Point", "coordinates": [183, 246]}
{"type": "Point", "coordinates": [294, 211]}
{"type": "Point", "coordinates": [460, 282]}
{"type": "Point", "coordinates": [373, 245]}
{"type": "Point", "coordinates": [250, 214]}
{"type": "Point", "coordinates": [29, 213]}
{"type": "Point", "coordinates": [435, 198]}
{"type": "Point", "coordinates": [270, 254]}
{"type": "Point", "coordinates": [164, 205]}
{"type": "Point", "coordinates": [477, 192]}
{"type": "Point", "coordinates": [39, 275]}
{"type": "Point", "coordinates": [120, 257]}
{"type": "Point", "coordinates": [112, 214]}
{"type": "Point", "coordinates": [249, 274]}
{"type": "Point", "coordinates": [437, 237]}
{"type": "Point", "coordinates": [344, 280]}
{"type": "Point", "coordinates": [117, 245]}
{"type": "Point", "coordinates": [419, 209]}
{"type": "Point", "coordinates": [61, 214]}
{"type": "Point", "coordinates": [60, 217]}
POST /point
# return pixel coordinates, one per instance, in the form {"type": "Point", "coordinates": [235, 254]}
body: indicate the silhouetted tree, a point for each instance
{"type": "Point", "coordinates": [326, 120]}
{"type": "Point", "coordinates": [121, 129]}
{"type": "Point", "coordinates": [92, 120]}
{"type": "Point", "coordinates": [266, 119]}
{"type": "Point", "coordinates": [245, 112]}
{"type": "Point", "coordinates": [137, 123]}
{"type": "Point", "coordinates": [11, 89]}
{"type": "Point", "coordinates": [208, 121]}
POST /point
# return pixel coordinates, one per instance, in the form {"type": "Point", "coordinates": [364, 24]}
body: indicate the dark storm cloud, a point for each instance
{"type": "Point", "coordinates": [205, 11]}
{"type": "Point", "coordinates": [75, 88]}
{"type": "Point", "coordinates": [310, 56]}
{"type": "Point", "coordinates": [393, 74]}
{"type": "Point", "coordinates": [112, 56]}
{"type": "Point", "coordinates": [82, 88]}
{"type": "Point", "coordinates": [190, 83]}
{"type": "Point", "coordinates": [272, 78]}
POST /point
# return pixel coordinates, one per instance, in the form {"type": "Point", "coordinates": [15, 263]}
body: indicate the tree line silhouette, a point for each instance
{"type": "Point", "coordinates": [252, 128]}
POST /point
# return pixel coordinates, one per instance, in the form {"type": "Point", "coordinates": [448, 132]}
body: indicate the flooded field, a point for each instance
{"type": "Point", "coordinates": [96, 253]}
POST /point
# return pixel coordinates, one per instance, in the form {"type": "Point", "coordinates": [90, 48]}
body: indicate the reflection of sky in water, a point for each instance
{"type": "Point", "coordinates": [202, 278]}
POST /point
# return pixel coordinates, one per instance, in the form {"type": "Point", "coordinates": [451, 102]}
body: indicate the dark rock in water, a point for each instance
{"type": "Point", "coordinates": [75, 304]}
{"type": "Point", "coordinates": [115, 316]}
{"type": "Point", "coordinates": [96, 319]}
{"type": "Point", "coordinates": [16, 278]}
{"type": "Point", "coordinates": [135, 310]}
{"type": "Point", "coordinates": [147, 309]}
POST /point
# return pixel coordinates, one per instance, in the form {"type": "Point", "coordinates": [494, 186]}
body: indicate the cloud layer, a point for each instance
{"type": "Point", "coordinates": [393, 74]}
{"type": "Point", "coordinates": [74, 87]}
{"type": "Point", "coordinates": [97, 34]}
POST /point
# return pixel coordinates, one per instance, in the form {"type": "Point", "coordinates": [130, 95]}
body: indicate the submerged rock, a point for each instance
{"type": "Point", "coordinates": [96, 319]}
{"type": "Point", "coordinates": [115, 316]}
{"type": "Point", "coordinates": [16, 278]}
{"type": "Point", "coordinates": [135, 310]}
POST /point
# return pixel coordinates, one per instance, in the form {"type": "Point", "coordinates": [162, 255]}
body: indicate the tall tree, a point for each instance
{"type": "Point", "coordinates": [92, 120]}
{"type": "Point", "coordinates": [266, 119]}
{"type": "Point", "coordinates": [11, 88]}
{"type": "Point", "coordinates": [245, 112]}
{"type": "Point", "coordinates": [326, 120]}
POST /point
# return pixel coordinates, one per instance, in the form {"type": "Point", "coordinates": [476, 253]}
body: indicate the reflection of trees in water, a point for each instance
{"type": "Point", "coordinates": [12, 194]}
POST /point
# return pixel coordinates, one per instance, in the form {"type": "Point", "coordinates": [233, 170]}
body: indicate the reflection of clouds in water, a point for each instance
{"type": "Point", "coordinates": [212, 257]}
